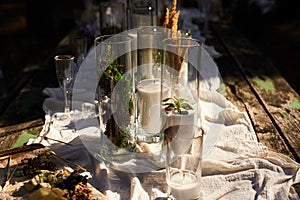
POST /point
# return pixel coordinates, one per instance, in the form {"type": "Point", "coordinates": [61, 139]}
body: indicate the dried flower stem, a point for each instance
{"type": "Point", "coordinates": [171, 22]}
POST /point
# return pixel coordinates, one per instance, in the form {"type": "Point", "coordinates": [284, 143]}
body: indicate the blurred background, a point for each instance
{"type": "Point", "coordinates": [31, 29]}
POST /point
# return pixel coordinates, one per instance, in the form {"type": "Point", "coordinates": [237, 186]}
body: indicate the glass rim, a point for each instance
{"type": "Point", "coordinates": [110, 39]}
{"type": "Point", "coordinates": [64, 57]}
{"type": "Point", "coordinates": [148, 8]}
{"type": "Point", "coordinates": [196, 42]}
{"type": "Point", "coordinates": [153, 29]}
{"type": "Point", "coordinates": [112, 3]}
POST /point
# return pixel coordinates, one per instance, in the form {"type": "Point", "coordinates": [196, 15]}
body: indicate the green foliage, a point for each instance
{"type": "Point", "coordinates": [177, 105]}
{"type": "Point", "coordinates": [265, 83]}
{"type": "Point", "coordinates": [114, 74]}
{"type": "Point", "coordinates": [157, 57]}
{"type": "Point", "coordinates": [295, 105]}
{"type": "Point", "coordinates": [123, 140]}
{"type": "Point", "coordinates": [24, 137]}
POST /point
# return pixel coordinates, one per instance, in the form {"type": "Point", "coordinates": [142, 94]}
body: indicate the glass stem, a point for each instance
{"type": "Point", "coordinates": [67, 96]}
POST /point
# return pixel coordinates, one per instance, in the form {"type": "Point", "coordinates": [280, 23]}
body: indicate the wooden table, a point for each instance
{"type": "Point", "coordinates": [251, 82]}
{"type": "Point", "coordinates": [255, 86]}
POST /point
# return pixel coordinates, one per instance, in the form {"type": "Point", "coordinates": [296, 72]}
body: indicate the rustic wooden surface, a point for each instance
{"type": "Point", "coordinates": [255, 86]}
{"type": "Point", "coordinates": [273, 106]}
{"type": "Point", "coordinates": [10, 134]}
{"type": "Point", "coordinates": [251, 82]}
{"type": "Point", "coordinates": [239, 93]}
{"type": "Point", "coordinates": [24, 113]}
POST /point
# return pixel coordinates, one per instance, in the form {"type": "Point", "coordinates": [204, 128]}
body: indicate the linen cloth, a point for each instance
{"type": "Point", "coordinates": [235, 165]}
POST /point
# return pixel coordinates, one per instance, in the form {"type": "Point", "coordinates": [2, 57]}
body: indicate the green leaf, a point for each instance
{"type": "Point", "coordinates": [24, 137]}
{"type": "Point", "coordinates": [186, 106]}
{"type": "Point", "coordinates": [184, 112]}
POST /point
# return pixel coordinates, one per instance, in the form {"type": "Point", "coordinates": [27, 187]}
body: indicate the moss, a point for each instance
{"type": "Point", "coordinates": [284, 115]}
{"type": "Point", "coordinates": [264, 84]}
{"type": "Point", "coordinates": [295, 105]}
{"type": "Point", "coordinates": [247, 95]}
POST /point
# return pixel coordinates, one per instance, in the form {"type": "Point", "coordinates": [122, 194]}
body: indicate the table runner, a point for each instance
{"type": "Point", "coordinates": [235, 166]}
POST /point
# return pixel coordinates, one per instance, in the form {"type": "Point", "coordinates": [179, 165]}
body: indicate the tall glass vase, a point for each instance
{"type": "Point", "coordinates": [181, 109]}
{"type": "Point", "coordinates": [115, 92]}
{"type": "Point", "coordinates": [142, 13]}
{"type": "Point", "coordinates": [181, 66]}
{"type": "Point", "coordinates": [149, 85]}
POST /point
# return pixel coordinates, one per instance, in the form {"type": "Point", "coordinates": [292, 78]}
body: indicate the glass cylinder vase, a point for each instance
{"type": "Point", "coordinates": [149, 85]}
{"type": "Point", "coordinates": [115, 93]}
{"type": "Point", "coordinates": [181, 110]}
{"type": "Point", "coordinates": [142, 13]}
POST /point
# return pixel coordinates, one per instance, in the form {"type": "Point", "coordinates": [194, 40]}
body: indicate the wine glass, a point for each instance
{"type": "Point", "coordinates": [65, 73]}
{"type": "Point", "coordinates": [79, 45]}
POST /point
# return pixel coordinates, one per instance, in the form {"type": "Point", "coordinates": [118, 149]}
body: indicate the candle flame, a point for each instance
{"type": "Point", "coordinates": [182, 173]}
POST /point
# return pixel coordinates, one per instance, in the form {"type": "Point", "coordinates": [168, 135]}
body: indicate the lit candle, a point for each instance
{"type": "Point", "coordinates": [184, 185]}
{"type": "Point", "coordinates": [149, 105]}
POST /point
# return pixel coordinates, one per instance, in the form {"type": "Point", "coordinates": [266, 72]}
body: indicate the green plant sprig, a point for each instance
{"type": "Point", "coordinates": [177, 105]}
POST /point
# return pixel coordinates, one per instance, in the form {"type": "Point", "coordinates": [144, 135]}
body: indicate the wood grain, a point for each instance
{"type": "Point", "coordinates": [275, 113]}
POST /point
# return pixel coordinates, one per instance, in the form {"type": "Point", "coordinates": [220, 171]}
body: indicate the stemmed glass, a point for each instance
{"type": "Point", "coordinates": [79, 44]}
{"type": "Point", "coordinates": [65, 73]}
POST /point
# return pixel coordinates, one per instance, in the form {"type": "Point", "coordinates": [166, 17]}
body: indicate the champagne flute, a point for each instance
{"type": "Point", "coordinates": [79, 45]}
{"type": "Point", "coordinates": [65, 73]}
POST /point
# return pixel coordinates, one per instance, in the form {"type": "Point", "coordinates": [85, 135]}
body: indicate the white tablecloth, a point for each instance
{"type": "Point", "coordinates": [236, 167]}
{"type": "Point", "coordinates": [235, 164]}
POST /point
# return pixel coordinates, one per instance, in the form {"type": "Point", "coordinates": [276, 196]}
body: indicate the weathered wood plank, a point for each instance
{"type": "Point", "coordinates": [278, 100]}
{"type": "Point", "coordinates": [26, 98]}
{"type": "Point", "coordinates": [10, 134]}
{"type": "Point", "coordinates": [21, 127]}
{"type": "Point", "coordinates": [24, 113]}
{"type": "Point", "coordinates": [27, 105]}
{"type": "Point", "coordinates": [240, 94]}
